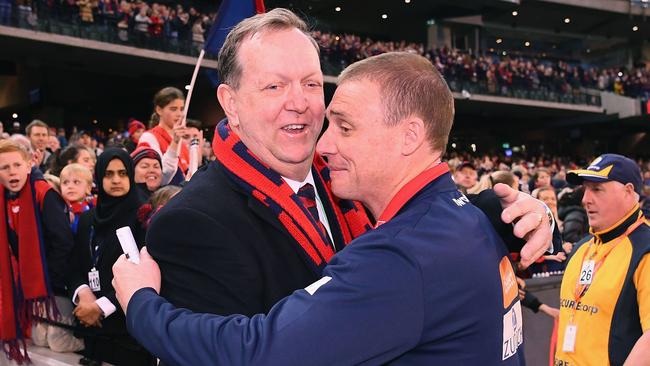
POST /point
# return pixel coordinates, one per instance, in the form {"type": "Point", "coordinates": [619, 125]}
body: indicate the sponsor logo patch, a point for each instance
{"type": "Point", "coordinates": [513, 335]}
{"type": "Point", "coordinates": [508, 282]}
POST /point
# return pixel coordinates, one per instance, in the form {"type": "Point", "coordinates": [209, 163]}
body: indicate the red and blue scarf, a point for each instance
{"type": "Point", "coordinates": [77, 208]}
{"type": "Point", "coordinates": [24, 286]}
{"type": "Point", "coordinates": [268, 187]}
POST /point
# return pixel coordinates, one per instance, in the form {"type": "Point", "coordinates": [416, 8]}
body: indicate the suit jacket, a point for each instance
{"type": "Point", "coordinates": [222, 251]}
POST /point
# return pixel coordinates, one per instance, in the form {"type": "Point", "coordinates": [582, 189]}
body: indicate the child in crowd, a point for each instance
{"type": "Point", "coordinates": [35, 246]}
{"type": "Point", "coordinates": [157, 200]}
{"type": "Point", "coordinates": [76, 184]}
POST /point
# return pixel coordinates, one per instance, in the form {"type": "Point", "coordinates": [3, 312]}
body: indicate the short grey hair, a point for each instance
{"type": "Point", "coordinates": [228, 65]}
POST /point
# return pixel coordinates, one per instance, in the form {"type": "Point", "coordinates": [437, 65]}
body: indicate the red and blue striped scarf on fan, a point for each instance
{"type": "Point", "coordinates": [25, 290]}
{"type": "Point", "coordinates": [267, 186]}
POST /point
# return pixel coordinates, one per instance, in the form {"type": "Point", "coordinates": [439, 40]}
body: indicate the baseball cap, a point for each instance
{"type": "Point", "coordinates": [465, 164]}
{"type": "Point", "coordinates": [606, 168]}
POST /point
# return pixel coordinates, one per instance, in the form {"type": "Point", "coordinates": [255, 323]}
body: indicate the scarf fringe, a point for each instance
{"type": "Point", "coordinates": [13, 351]}
{"type": "Point", "coordinates": [44, 309]}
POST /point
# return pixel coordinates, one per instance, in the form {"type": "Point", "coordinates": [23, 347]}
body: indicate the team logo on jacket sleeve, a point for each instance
{"type": "Point", "coordinates": [508, 282]}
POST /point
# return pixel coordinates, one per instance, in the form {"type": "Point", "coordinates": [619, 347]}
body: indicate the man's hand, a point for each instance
{"type": "Point", "coordinates": [37, 157]}
{"type": "Point", "coordinates": [531, 221]}
{"type": "Point", "coordinates": [129, 277]}
{"type": "Point", "coordinates": [559, 257]}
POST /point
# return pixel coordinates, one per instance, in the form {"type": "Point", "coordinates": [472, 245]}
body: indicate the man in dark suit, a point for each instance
{"type": "Point", "coordinates": [249, 229]}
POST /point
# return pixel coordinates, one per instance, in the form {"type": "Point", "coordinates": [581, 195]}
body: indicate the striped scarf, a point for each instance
{"type": "Point", "coordinates": [268, 187]}
{"type": "Point", "coordinates": [24, 286]}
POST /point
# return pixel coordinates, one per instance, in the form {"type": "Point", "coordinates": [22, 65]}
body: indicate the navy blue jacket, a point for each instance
{"type": "Point", "coordinates": [422, 289]}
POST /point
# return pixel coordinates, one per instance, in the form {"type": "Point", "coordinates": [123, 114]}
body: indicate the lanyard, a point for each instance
{"type": "Point", "coordinates": [581, 290]}
{"type": "Point", "coordinates": [94, 250]}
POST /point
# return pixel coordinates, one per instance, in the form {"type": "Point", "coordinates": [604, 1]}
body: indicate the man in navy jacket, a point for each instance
{"type": "Point", "coordinates": [432, 284]}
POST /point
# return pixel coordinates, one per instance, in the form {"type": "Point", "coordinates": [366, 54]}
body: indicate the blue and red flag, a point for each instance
{"type": "Point", "coordinates": [230, 13]}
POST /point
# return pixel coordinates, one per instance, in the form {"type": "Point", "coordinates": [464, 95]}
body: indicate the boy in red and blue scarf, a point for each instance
{"type": "Point", "coordinates": [35, 245]}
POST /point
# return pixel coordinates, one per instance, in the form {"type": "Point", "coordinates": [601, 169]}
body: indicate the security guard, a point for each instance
{"type": "Point", "coordinates": [605, 295]}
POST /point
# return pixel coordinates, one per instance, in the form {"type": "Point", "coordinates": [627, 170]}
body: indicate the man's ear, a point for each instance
{"type": "Point", "coordinates": [227, 98]}
{"type": "Point", "coordinates": [414, 134]}
{"type": "Point", "coordinates": [629, 189]}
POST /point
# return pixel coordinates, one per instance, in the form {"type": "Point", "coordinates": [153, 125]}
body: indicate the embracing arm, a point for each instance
{"type": "Point", "coordinates": [368, 308]}
{"type": "Point", "coordinates": [521, 221]}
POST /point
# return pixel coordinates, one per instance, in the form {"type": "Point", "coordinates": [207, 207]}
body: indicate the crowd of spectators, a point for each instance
{"type": "Point", "coordinates": [173, 28]}
{"type": "Point", "coordinates": [494, 72]}
{"type": "Point", "coordinates": [544, 177]}
{"type": "Point", "coordinates": [154, 25]}
{"type": "Point", "coordinates": [93, 183]}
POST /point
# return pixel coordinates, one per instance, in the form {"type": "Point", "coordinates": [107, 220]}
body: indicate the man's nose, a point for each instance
{"type": "Point", "coordinates": [326, 144]}
{"type": "Point", "coordinates": [297, 99]}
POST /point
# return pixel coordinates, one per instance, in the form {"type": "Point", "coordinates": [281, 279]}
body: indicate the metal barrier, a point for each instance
{"type": "Point", "coordinates": [539, 327]}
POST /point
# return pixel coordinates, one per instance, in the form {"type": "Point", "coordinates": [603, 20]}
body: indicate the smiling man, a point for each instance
{"type": "Point", "coordinates": [395, 294]}
{"type": "Point", "coordinates": [261, 221]}
{"type": "Point", "coordinates": [239, 237]}
{"type": "Point", "coordinates": [605, 294]}
{"type": "Point", "coordinates": [38, 134]}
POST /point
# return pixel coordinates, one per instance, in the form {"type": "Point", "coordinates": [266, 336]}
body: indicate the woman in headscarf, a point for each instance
{"type": "Point", "coordinates": [103, 325]}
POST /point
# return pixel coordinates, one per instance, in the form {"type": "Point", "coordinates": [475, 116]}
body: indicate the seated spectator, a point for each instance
{"type": "Point", "coordinates": [207, 152]}
{"type": "Point", "coordinates": [82, 138]}
{"type": "Point", "coordinates": [166, 132]}
{"type": "Point", "coordinates": [60, 135]}
{"type": "Point", "coordinates": [36, 238]}
{"type": "Point", "coordinates": [488, 180]}
{"type": "Point", "coordinates": [575, 223]}
{"type": "Point", "coordinates": [76, 187]}
{"type": "Point", "coordinates": [96, 249]}
{"type": "Point", "coordinates": [547, 195]}
{"type": "Point", "coordinates": [73, 154]}
{"type": "Point", "coordinates": [465, 176]}
{"type": "Point", "coordinates": [193, 137]}
{"type": "Point", "coordinates": [148, 170]}
{"type": "Point", "coordinates": [541, 178]}
{"type": "Point", "coordinates": [38, 133]}
{"type": "Point", "coordinates": [136, 129]}
{"type": "Point", "coordinates": [86, 11]}
{"type": "Point", "coordinates": [197, 34]}
{"type": "Point", "coordinates": [157, 200]}
{"type": "Point", "coordinates": [505, 177]}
